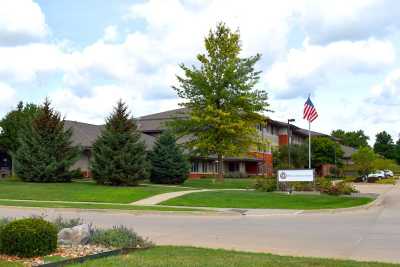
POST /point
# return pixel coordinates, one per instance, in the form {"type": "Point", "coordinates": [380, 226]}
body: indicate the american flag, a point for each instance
{"type": "Point", "coordinates": [310, 113]}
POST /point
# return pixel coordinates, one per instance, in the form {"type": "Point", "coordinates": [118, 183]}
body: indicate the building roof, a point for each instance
{"type": "Point", "coordinates": [156, 122]}
{"type": "Point", "coordinates": [348, 151]}
{"type": "Point", "coordinates": [85, 134]}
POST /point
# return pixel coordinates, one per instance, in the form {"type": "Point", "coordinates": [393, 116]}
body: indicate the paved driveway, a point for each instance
{"type": "Point", "coordinates": [372, 234]}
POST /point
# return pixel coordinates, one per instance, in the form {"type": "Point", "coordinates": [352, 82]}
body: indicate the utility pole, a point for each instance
{"type": "Point", "coordinates": [289, 141]}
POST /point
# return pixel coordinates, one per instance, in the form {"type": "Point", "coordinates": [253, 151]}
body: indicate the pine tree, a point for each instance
{"type": "Point", "coordinates": [119, 156]}
{"type": "Point", "coordinates": [46, 153]}
{"type": "Point", "coordinates": [168, 163]}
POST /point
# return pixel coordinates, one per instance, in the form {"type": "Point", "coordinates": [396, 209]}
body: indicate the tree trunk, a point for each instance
{"type": "Point", "coordinates": [220, 167]}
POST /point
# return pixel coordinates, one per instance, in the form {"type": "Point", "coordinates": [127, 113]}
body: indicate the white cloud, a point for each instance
{"type": "Point", "coordinates": [387, 92]}
{"type": "Point", "coordinates": [306, 69]}
{"type": "Point", "coordinates": [329, 21]}
{"type": "Point", "coordinates": [7, 97]}
{"type": "Point", "coordinates": [110, 33]}
{"type": "Point", "coordinates": [21, 21]}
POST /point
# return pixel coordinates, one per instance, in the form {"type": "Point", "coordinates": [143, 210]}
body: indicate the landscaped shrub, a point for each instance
{"type": "Point", "coordinates": [302, 186]}
{"type": "Point", "coordinates": [265, 184]}
{"type": "Point", "coordinates": [61, 223]}
{"type": "Point", "coordinates": [118, 237]}
{"type": "Point", "coordinates": [28, 237]}
{"type": "Point", "coordinates": [3, 223]}
{"type": "Point", "coordinates": [328, 187]}
{"type": "Point", "coordinates": [168, 163]}
{"type": "Point", "coordinates": [234, 175]}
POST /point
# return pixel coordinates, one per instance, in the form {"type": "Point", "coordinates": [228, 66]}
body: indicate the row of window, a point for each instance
{"type": "Point", "coordinates": [210, 167]}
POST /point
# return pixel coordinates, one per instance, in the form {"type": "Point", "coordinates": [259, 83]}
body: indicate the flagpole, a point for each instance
{"type": "Point", "coordinates": [309, 144]}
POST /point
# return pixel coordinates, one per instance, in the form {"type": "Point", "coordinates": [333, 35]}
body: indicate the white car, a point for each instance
{"type": "Point", "coordinates": [388, 173]}
{"type": "Point", "coordinates": [377, 174]}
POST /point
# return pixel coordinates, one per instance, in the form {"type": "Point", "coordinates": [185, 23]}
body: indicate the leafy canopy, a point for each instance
{"type": "Point", "coordinates": [384, 145]}
{"type": "Point", "coordinates": [355, 139]}
{"type": "Point", "coordinates": [14, 123]}
{"type": "Point", "coordinates": [364, 160]}
{"type": "Point", "coordinates": [325, 150]}
{"type": "Point", "coordinates": [224, 108]}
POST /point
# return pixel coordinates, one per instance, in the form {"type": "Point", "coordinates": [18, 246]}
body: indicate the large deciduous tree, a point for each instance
{"type": "Point", "coordinates": [384, 145]}
{"type": "Point", "coordinates": [119, 156]}
{"type": "Point", "coordinates": [13, 124]}
{"type": "Point", "coordinates": [46, 153]}
{"type": "Point", "coordinates": [354, 139]}
{"type": "Point", "coordinates": [364, 160]}
{"type": "Point", "coordinates": [168, 163]}
{"type": "Point", "coordinates": [298, 156]}
{"type": "Point", "coordinates": [325, 150]}
{"type": "Point", "coordinates": [224, 107]}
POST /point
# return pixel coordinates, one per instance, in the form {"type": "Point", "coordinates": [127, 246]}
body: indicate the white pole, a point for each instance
{"type": "Point", "coordinates": [309, 144]}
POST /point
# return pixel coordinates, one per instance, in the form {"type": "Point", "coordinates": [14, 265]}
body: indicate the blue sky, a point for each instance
{"type": "Point", "coordinates": [85, 55]}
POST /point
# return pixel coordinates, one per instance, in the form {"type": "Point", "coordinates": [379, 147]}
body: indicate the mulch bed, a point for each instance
{"type": "Point", "coordinates": [65, 252]}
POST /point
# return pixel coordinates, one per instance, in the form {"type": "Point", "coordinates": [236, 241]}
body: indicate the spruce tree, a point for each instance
{"type": "Point", "coordinates": [46, 153]}
{"type": "Point", "coordinates": [168, 163]}
{"type": "Point", "coordinates": [119, 156]}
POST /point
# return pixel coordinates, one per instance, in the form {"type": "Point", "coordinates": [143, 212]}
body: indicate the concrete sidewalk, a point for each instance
{"type": "Point", "coordinates": [157, 199]}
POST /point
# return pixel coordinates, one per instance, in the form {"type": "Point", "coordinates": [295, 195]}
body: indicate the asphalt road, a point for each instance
{"type": "Point", "coordinates": [372, 234]}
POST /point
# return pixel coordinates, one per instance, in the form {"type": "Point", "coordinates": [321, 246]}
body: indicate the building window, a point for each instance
{"type": "Point", "coordinates": [205, 167]}
{"type": "Point", "coordinates": [233, 166]}
{"type": "Point", "coordinates": [195, 166]}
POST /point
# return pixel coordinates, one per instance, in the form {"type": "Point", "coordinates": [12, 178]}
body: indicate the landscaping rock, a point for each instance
{"type": "Point", "coordinates": [77, 235]}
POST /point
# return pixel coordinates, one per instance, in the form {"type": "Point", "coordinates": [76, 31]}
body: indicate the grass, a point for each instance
{"type": "Point", "coordinates": [169, 256]}
{"type": "Point", "coordinates": [78, 191]}
{"type": "Point", "coordinates": [386, 181]}
{"type": "Point", "coordinates": [49, 204]}
{"type": "Point", "coordinates": [215, 184]}
{"type": "Point", "coordinates": [10, 264]}
{"type": "Point", "coordinates": [255, 200]}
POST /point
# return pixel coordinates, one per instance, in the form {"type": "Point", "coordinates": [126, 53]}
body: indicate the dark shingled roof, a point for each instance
{"type": "Point", "coordinates": [154, 123]}
{"type": "Point", "coordinates": [85, 134]}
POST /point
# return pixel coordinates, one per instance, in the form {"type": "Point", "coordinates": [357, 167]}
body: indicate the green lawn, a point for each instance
{"type": "Point", "coordinates": [78, 191]}
{"type": "Point", "coordinates": [167, 256]}
{"type": "Point", "coordinates": [253, 199]}
{"type": "Point", "coordinates": [10, 264]}
{"type": "Point", "coordinates": [215, 184]}
{"type": "Point", "coordinates": [48, 204]}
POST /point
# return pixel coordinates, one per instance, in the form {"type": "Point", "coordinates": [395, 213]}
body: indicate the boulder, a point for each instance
{"type": "Point", "coordinates": [77, 235]}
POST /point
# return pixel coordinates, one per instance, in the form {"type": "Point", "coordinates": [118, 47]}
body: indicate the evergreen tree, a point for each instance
{"type": "Point", "coordinates": [119, 156]}
{"type": "Point", "coordinates": [224, 107]}
{"type": "Point", "coordinates": [168, 163]}
{"type": "Point", "coordinates": [46, 153]}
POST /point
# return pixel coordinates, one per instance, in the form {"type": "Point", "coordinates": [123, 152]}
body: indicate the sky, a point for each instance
{"type": "Point", "coordinates": [85, 55]}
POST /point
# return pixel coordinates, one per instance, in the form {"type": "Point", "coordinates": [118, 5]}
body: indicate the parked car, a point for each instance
{"type": "Point", "coordinates": [377, 174]}
{"type": "Point", "coordinates": [388, 173]}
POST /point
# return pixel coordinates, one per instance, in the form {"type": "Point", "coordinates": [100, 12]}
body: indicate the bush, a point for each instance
{"type": "Point", "coordinates": [28, 238]}
{"type": "Point", "coordinates": [265, 184]}
{"type": "Point", "coordinates": [387, 181]}
{"type": "Point", "coordinates": [340, 188]}
{"type": "Point", "coordinates": [118, 237]}
{"type": "Point", "coordinates": [302, 186]}
{"type": "Point", "coordinates": [236, 175]}
{"type": "Point", "coordinates": [61, 223]}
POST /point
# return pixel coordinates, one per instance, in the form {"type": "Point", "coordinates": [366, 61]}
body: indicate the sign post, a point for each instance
{"type": "Point", "coordinates": [299, 175]}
